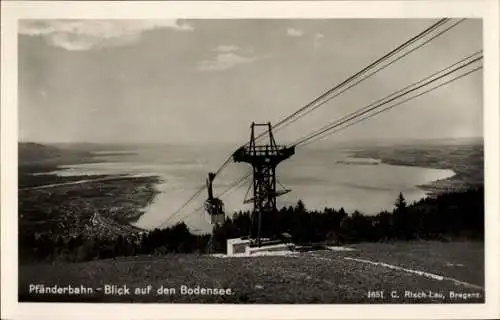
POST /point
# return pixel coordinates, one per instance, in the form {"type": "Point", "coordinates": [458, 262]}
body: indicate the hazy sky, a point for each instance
{"type": "Point", "coordinates": [206, 80]}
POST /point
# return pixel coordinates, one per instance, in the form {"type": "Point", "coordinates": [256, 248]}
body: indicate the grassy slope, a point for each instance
{"type": "Point", "coordinates": [315, 277]}
{"type": "Point", "coordinates": [432, 256]}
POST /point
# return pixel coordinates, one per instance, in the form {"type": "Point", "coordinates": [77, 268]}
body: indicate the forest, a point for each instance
{"type": "Point", "coordinates": [444, 217]}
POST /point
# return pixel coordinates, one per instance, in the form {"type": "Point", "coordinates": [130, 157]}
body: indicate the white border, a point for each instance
{"type": "Point", "coordinates": [12, 11]}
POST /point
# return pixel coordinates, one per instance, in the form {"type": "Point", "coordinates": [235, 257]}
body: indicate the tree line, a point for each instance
{"type": "Point", "coordinates": [456, 215]}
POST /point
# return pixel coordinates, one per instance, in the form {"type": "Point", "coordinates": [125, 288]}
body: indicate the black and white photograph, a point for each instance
{"type": "Point", "coordinates": [271, 161]}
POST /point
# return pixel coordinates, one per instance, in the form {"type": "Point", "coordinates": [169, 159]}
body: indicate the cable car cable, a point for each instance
{"type": "Point", "coordinates": [370, 66]}
{"type": "Point", "coordinates": [401, 47]}
{"type": "Point", "coordinates": [375, 63]}
{"type": "Point", "coordinates": [312, 108]}
{"type": "Point", "coordinates": [305, 141]}
{"type": "Point", "coordinates": [194, 196]}
{"type": "Point", "coordinates": [231, 186]}
{"type": "Point", "coordinates": [392, 94]}
{"type": "Point", "coordinates": [397, 104]}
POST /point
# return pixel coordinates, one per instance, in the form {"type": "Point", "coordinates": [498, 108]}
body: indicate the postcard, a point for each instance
{"type": "Point", "coordinates": [250, 159]}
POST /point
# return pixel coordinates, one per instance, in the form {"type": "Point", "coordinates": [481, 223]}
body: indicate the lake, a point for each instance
{"type": "Point", "coordinates": [319, 177]}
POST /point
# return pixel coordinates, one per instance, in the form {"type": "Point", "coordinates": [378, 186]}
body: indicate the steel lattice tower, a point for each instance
{"type": "Point", "coordinates": [264, 160]}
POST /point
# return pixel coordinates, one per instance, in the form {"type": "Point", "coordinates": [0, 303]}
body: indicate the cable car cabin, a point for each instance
{"type": "Point", "coordinates": [214, 206]}
{"type": "Point", "coordinates": [215, 211]}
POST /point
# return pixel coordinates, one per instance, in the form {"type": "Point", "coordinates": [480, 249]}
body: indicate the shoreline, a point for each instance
{"type": "Point", "coordinates": [102, 207]}
{"type": "Point", "coordinates": [437, 186]}
{"type": "Point", "coordinates": [91, 205]}
{"type": "Point", "coordinates": [465, 164]}
{"type": "Point", "coordinates": [124, 199]}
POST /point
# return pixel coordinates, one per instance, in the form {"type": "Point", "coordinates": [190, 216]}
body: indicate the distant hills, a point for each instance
{"type": "Point", "coordinates": [363, 143]}
{"type": "Point", "coordinates": [30, 153]}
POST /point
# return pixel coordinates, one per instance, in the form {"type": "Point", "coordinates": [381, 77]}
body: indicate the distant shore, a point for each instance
{"type": "Point", "coordinates": [94, 206]}
{"type": "Point", "coordinates": [89, 205]}
{"type": "Point", "coordinates": [466, 161]}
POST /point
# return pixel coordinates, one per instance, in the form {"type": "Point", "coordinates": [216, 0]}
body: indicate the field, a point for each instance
{"type": "Point", "coordinates": [310, 277]}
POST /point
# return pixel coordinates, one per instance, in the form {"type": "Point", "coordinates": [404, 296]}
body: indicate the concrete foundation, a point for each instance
{"type": "Point", "coordinates": [238, 246]}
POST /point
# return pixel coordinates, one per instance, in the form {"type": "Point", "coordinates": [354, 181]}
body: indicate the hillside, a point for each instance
{"type": "Point", "coordinates": [30, 153]}
{"type": "Point", "coordinates": [36, 159]}
{"type": "Point", "coordinates": [312, 277]}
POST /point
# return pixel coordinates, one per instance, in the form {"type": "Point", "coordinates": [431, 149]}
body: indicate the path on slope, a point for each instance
{"type": "Point", "coordinates": [314, 277]}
